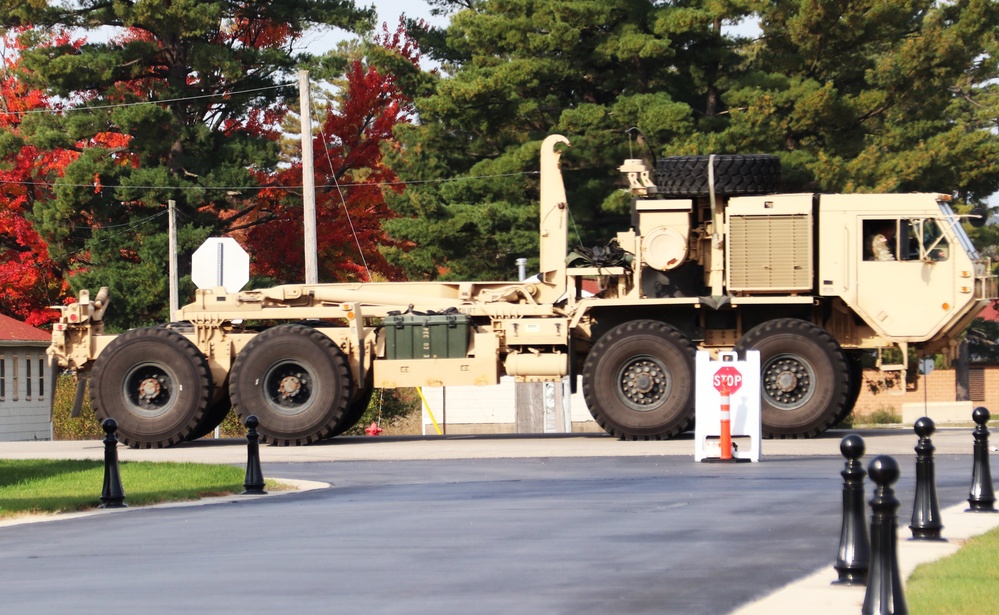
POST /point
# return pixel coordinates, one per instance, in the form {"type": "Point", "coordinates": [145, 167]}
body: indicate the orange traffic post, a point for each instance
{"type": "Point", "coordinates": [726, 426]}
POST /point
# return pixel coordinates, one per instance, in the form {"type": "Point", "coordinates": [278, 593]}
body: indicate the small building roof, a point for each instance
{"type": "Point", "coordinates": [13, 331]}
{"type": "Point", "coordinates": [990, 312]}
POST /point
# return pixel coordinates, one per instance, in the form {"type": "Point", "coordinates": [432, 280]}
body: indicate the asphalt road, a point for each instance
{"type": "Point", "coordinates": [545, 535]}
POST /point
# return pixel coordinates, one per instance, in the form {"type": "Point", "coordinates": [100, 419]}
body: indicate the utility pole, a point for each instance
{"type": "Point", "coordinates": [174, 300]}
{"type": "Point", "coordinates": [308, 181]}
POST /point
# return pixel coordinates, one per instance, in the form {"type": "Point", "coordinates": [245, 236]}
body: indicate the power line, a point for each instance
{"type": "Point", "coordinates": [146, 102]}
{"type": "Point", "coordinates": [127, 224]}
{"type": "Point", "coordinates": [108, 236]}
{"type": "Point", "coordinates": [294, 187]}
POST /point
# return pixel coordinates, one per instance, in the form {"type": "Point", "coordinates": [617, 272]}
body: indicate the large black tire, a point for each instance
{"type": "Point", "coordinates": [354, 412]}
{"type": "Point", "coordinates": [295, 380]}
{"type": "Point", "coordinates": [805, 379]}
{"type": "Point", "coordinates": [638, 381]}
{"type": "Point", "coordinates": [216, 413]}
{"type": "Point", "coordinates": [687, 176]}
{"type": "Point", "coordinates": [856, 384]}
{"type": "Point", "coordinates": [155, 383]}
{"type": "Point", "coordinates": [218, 407]}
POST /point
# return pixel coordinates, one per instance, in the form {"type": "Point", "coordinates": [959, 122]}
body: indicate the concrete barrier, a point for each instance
{"type": "Point", "coordinates": [941, 412]}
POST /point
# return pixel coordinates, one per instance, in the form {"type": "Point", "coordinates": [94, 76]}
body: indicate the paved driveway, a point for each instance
{"type": "Point", "coordinates": [640, 534]}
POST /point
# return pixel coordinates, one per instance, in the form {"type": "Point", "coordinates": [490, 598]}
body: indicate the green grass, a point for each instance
{"type": "Point", "coordinates": [51, 486]}
{"type": "Point", "coordinates": [966, 582]}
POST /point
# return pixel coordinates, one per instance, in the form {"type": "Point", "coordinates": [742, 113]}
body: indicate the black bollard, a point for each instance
{"type": "Point", "coordinates": [884, 585]}
{"type": "Point", "coordinates": [982, 497]}
{"type": "Point", "coordinates": [112, 494]}
{"type": "Point", "coordinates": [854, 546]}
{"type": "Point", "coordinates": [925, 511]}
{"type": "Point", "coordinates": [254, 481]}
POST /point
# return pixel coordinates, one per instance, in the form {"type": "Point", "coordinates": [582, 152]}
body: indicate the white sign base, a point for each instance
{"type": "Point", "coordinates": [744, 403]}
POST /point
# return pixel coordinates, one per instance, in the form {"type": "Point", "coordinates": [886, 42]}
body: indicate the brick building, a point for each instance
{"type": "Point", "coordinates": [939, 386]}
{"type": "Point", "coordinates": [27, 382]}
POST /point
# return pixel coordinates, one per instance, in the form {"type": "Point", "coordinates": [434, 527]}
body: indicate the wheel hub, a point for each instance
{"type": "Point", "coordinates": [644, 383]}
{"type": "Point", "coordinates": [788, 382]}
{"type": "Point", "coordinates": [149, 389]}
{"type": "Point", "coordinates": [290, 386]}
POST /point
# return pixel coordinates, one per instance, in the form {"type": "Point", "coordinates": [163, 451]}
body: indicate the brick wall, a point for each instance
{"type": "Point", "coordinates": [939, 386]}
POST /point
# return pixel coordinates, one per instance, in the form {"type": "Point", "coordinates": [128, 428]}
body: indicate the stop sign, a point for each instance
{"type": "Point", "coordinates": [727, 378]}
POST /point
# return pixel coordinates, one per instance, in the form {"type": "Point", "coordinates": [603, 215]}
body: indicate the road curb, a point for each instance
{"type": "Point", "coordinates": [298, 486]}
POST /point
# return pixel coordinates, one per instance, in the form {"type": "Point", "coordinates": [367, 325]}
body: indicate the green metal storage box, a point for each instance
{"type": "Point", "coordinates": [437, 336]}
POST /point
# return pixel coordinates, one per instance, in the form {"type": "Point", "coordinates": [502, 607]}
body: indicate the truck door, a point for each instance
{"type": "Point", "coordinates": [906, 276]}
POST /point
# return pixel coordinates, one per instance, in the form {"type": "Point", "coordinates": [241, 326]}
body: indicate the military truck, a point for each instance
{"type": "Point", "coordinates": [715, 260]}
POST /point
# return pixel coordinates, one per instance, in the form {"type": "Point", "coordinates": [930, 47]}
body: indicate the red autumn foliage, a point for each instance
{"type": "Point", "coordinates": [31, 280]}
{"type": "Point", "coordinates": [350, 178]}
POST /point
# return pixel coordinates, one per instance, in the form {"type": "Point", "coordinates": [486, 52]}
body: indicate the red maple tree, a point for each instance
{"type": "Point", "coordinates": [350, 179]}
{"type": "Point", "coordinates": [31, 279]}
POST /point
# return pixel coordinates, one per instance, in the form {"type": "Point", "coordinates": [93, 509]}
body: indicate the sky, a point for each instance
{"type": "Point", "coordinates": [388, 13]}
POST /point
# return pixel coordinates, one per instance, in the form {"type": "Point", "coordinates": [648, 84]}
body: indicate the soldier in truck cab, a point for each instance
{"type": "Point", "coordinates": [881, 241]}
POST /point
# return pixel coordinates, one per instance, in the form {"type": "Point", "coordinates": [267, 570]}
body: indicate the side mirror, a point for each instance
{"type": "Point", "coordinates": [979, 216]}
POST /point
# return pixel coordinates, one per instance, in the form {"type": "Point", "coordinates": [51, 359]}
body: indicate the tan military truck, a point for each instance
{"type": "Point", "coordinates": [714, 260]}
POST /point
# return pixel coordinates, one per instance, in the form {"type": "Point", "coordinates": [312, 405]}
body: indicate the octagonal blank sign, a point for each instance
{"type": "Point", "coordinates": [220, 261]}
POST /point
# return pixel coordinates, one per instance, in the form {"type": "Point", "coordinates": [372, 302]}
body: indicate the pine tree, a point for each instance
{"type": "Point", "coordinates": [867, 95]}
{"type": "Point", "coordinates": [518, 70]}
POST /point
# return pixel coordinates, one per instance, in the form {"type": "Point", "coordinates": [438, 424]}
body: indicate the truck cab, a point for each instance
{"type": "Point", "coordinates": [924, 288]}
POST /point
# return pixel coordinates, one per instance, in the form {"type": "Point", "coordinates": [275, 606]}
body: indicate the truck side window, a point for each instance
{"type": "Point", "coordinates": [879, 240]}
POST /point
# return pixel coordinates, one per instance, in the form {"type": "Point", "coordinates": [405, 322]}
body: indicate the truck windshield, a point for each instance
{"type": "Point", "coordinates": [958, 230]}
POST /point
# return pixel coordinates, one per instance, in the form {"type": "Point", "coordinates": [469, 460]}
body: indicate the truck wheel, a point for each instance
{"type": "Point", "coordinates": [354, 413]}
{"type": "Point", "coordinates": [155, 383]}
{"type": "Point", "coordinates": [295, 380]}
{"type": "Point", "coordinates": [214, 416]}
{"type": "Point", "coordinates": [638, 381]}
{"type": "Point", "coordinates": [805, 379]}
{"type": "Point", "coordinates": [856, 383]}
{"type": "Point", "coordinates": [687, 176]}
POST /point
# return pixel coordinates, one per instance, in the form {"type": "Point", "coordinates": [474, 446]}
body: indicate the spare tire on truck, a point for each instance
{"type": "Point", "coordinates": [155, 383]}
{"type": "Point", "coordinates": [734, 175]}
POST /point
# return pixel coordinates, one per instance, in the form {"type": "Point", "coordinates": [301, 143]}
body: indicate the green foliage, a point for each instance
{"type": "Point", "coordinates": [884, 416]}
{"type": "Point", "coordinates": [847, 423]}
{"type": "Point", "coordinates": [52, 486]}
{"type": "Point", "coordinates": [231, 427]}
{"type": "Point", "coordinates": [983, 340]}
{"type": "Point", "coordinates": [387, 406]}
{"type": "Point", "coordinates": [519, 70]}
{"type": "Point", "coordinates": [874, 96]}
{"type": "Point", "coordinates": [897, 95]}
{"type": "Point", "coordinates": [83, 427]}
